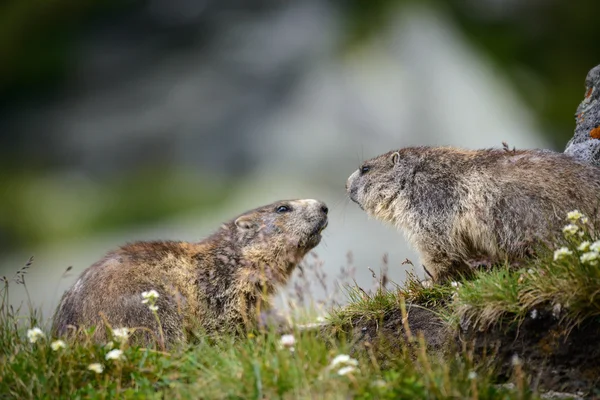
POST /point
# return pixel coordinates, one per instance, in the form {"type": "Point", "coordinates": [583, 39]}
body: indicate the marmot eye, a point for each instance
{"type": "Point", "coordinates": [282, 209]}
{"type": "Point", "coordinates": [364, 169]}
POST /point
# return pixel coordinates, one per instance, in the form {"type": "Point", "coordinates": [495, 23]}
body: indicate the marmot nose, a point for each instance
{"type": "Point", "coordinates": [324, 209]}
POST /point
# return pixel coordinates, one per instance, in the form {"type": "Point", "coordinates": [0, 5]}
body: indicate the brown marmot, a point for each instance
{"type": "Point", "coordinates": [457, 206]}
{"type": "Point", "coordinates": [219, 284]}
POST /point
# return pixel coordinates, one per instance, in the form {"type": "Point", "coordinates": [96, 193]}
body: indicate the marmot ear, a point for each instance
{"type": "Point", "coordinates": [395, 157]}
{"type": "Point", "coordinates": [245, 223]}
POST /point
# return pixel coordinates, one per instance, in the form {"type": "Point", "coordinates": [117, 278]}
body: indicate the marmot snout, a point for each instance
{"type": "Point", "coordinates": [458, 205]}
{"type": "Point", "coordinates": [219, 284]}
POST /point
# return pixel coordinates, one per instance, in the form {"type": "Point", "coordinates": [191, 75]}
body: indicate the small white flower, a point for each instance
{"type": "Point", "coordinates": [584, 246]}
{"type": "Point", "coordinates": [58, 344]}
{"type": "Point", "coordinates": [96, 367]}
{"type": "Point", "coordinates": [534, 314]}
{"type": "Point", "coordinates": [515, 360]}
{"type": "Point", "coordinates": [379, 383]}
{"type": "Point", "coordinates": [584, 220]}
{"type": "Point", "coordinates": [321, 319]}
{"type": "Point", "coordinates": [427, 284]}
{"type": "Point", "coordinates": [556, 310]}
{"type": "Point", "coordinates": [346, 370]}
{"type": "Point", "coordinates": [595, 246]}
{"type": "Point", "coordinates": [115, 354]}
{"type": "Point", "coordinates": [570, 229]}
{"type": "Point", "coordinates": [343, 359]}
{"type": "Point", "coordinates": [472, 375]}
{"type": "Point", "coordinates": [562, 253]}
{"type": "Point", "coordinates": [121, 334]}
{"type": "Point", "coordinates": [153, 307]}
{"type": "Point", "coordinates": [150, 295]}
{"type": "Point", "coordinates": [590, 258]}
{"type": "Point", "coordinates": [574, 215]}
{"type": "Point", "coordinates": [35, 334]}
{"type": "Point", "coordinates": [287, 341]}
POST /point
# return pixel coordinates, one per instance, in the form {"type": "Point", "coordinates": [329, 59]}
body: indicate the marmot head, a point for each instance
{"type": "Point", "coordinates": [379, 184]}
{"type": "Point", "coordinates": [295, 223]}
{"type": "Point", "coordinates": [277, 236]}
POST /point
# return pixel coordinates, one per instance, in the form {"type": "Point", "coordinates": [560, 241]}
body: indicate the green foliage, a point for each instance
{"type": "Point", "coordinates": [426, 295]}
{"type": "Point", "coordinates": [364, 306]}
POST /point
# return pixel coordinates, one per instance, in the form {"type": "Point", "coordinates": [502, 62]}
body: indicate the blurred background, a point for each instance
{"type": "Point", "coordinates": [124, 120]}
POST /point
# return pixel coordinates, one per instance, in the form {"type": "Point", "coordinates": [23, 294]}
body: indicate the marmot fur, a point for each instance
{"type": "Point", "coordinates": [219, 284]}
{"type": "Point", "coordinates": [457, 206]}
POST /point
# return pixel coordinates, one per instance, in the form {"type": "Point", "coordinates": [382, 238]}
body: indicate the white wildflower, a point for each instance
{"type": "Point", "coordinates": [149, 296]}
{"type": "Point", "coordinates": [570, 229]}
{"type": "Point", "coordinates": [427, 284]}
{"type": "Point", "coordinates": [515, 360]}
{"type": "Point", "coordinates": [562, 253]}
{"type": "Point", "coordinates": [454, 284]}
{"type": "Point", "coordinates": [321, 319]}
{"type": "Point", "coordinates": [590, 258]}
{"type": "Point", "coordinates": [153, 307]}
{"type": "Point", "coordinates": [574, 215]}
{"type": "Point", "coordinates": [556, 310]}
{"type": "Point", "coordinates": [584, 246]}
{"type": "Point", "coordinates": [346, 370]}
{"type": "Point", "coordinates": [35, 334]}
{"type": "Point", "coordinates": [115, 354]}
{"type": "Point", "coordinates": [379, 383]}
{"type": "Point", "coordinates": [121, 334]}
{"type": "Point", "coordinates": [595, 246]}
{"type": "Point", "coordinates": [96, 367]}
{"type": "Point", "coordinates": [472, 375]}
{"type": "Point", "coordinates": [584, 220]}
{"type": "Point", "coordinates": [343, 359]}
{"type": "Point", "coordinates": [287, 341]}
{"type": "Point", "coordinates": [534, 314]}
{"type": "Point", "coordinates": [57, 345]}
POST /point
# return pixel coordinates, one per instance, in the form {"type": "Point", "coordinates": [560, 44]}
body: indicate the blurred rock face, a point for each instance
{"type": "Point", "coordinates": [267, 97]}
{"type": "Point", "coordinates": [241, 90]}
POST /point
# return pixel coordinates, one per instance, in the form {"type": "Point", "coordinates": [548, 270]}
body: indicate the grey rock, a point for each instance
{"type": "Point", "coordinates": [585, 144]}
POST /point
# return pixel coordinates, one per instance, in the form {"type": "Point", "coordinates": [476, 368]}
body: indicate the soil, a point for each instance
{"type": "Point", "coordinates": [554, 357]}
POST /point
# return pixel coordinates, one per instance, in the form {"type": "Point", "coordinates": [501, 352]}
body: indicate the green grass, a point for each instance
{"type": "Point", "coordinates": [252, 367]}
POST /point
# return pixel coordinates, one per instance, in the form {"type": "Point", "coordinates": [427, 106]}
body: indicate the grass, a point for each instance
{"type": "Point", "coordinates": [257, 366]}
{"type": "Point", "coordinates": [254, 367]}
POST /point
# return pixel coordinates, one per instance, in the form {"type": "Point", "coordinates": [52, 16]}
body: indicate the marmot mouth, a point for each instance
{"type": "Point", "coordinates": [314, 238]}
{"type": "Point", "coordinates": [356, 201]}
{"type": "Point", "coordinates": [322, 226]}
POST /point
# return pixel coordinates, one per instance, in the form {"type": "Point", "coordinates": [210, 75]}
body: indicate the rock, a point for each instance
{"type": "Point", "coordinates": [585, 144]}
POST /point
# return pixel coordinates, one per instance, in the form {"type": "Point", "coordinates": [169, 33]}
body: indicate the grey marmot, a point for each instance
{"type": "Point", "coordinates": [219, 284]}
{"type": "Point", "coordinates": [457, 206]}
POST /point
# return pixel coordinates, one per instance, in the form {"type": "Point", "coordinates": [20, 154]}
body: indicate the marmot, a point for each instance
{"type": "Point", "coordinates": [218, 284]}
{"type": "Point", "coordinates": [457, 206]}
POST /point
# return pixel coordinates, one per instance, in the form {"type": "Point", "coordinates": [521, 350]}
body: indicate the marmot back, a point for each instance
{"type": "Point", "coordinates": [457, 206]}
{"type": "Point", "coordinates": [219, 284]}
